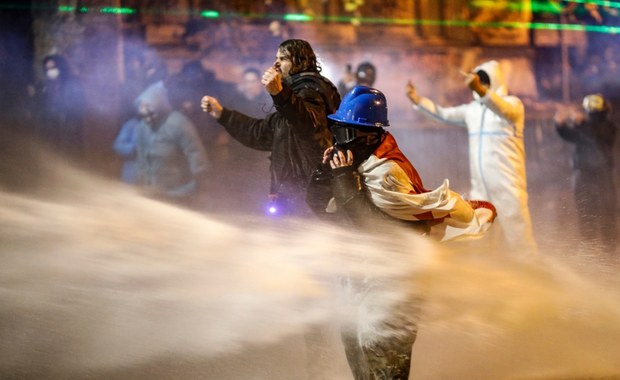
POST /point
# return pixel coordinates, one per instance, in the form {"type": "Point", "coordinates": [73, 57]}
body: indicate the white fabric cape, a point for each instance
{"type": "Point", "coordinates": [391, 191]}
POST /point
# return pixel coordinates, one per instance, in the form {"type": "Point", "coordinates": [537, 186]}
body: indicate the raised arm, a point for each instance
{"type": "Point", "coordinates": [450, 115]}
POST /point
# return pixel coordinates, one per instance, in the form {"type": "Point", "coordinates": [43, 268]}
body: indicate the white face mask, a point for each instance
{"type": "Point", "coordinates": [52, 73]}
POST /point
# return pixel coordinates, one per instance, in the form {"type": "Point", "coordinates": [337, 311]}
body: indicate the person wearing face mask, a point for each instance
{"type": "Point", "coordinates": [296, 132]}
{"type": "Point", "coordinates": [365, 181]}
{"type": "Point", "coordinates": [495, 122]}
{"type": "Point", "coordinates": [593, 137]}
{"type": "Point", "coordinates": [171, 160]}
{"type": "Point", "coordinates": [59, 107]}
{"type": "Point", "coordinates": [366, 177]}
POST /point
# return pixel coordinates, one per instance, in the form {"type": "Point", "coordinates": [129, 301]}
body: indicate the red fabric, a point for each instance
{"type": "Point", "coordinates": [389, 149]}
{"type": "Point", "coordinates": [483, 204]}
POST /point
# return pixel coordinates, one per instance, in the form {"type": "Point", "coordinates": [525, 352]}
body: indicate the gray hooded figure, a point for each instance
{"type": "Point", "coordinates": [172, 161]}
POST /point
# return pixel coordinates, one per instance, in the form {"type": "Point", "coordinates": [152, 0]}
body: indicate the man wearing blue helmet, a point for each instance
{"type": "Point", "coordinates": [364, 178]}
{"type": "Point", "coordinates": [368, 172]}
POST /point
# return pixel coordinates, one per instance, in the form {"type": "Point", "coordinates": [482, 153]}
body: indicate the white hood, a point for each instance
{"type": "Point", "coordinates": [493, 70]}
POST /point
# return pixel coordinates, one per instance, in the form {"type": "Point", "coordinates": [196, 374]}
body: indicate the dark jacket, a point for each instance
{"type": "Point", "coordinates": [59, 108]}
{"type": "Point", "coordinates": [594, 141]}
{"type": "Point", "coordinates": [296, 134]}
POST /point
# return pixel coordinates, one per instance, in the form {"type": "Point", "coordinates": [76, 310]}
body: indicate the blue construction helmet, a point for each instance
{"type": "Point", "coordinates": [362, 106]}
{"type": "Point", "coordinates": [363, 110]}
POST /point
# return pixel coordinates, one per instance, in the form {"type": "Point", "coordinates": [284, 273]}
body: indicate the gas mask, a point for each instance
{"type": "Point", "coordinates": [361, 141]}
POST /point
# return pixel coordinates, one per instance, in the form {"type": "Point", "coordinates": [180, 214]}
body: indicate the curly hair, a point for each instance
{"type": "Point", "coordinates": [302, 56]}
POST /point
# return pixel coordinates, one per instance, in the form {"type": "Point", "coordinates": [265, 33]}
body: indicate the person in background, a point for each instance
{"type": "Point", "coordinates": [142, 69]}
{"type": "Point", "coordinates": [59, 108]}
{"type": "Point", "coordinates": [365, 75]}
{"type": "Point", "coordinates": [240, 166]}
{"type": "Point", "coordinates": [367, 182]}
{"type": "Point", "coordinates": [296, 132]}
{"type": "Point", "coordinates": [172, 162]}
{"type": "Point", "coordinates": [592, 162]}
{"type": "Point", "coordinates": [495, 122]}
{"type": "Point", "coordinates": [251, 88]}
{"type": "Point", "coordinates": [185, 90]}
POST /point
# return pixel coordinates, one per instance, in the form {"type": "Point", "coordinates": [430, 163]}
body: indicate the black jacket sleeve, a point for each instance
{"type": "Point", "coordinates": [346, 186]}
{"type": "Point", "coordinates": [352, 197]}
{"type": "Point", "coordinates": [567, 132]}
{"type": "Point", "coordinates": [251, 132]}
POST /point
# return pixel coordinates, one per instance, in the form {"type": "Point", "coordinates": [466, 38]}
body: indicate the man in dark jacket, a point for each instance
{"type": "Point", "coordinates": [296, 134]}
{"type": "Point", "coordinates": [592, 162]}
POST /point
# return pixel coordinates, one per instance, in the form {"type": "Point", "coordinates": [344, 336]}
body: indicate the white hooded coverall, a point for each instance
{"type": "Point", "coordinates": [495, 125]}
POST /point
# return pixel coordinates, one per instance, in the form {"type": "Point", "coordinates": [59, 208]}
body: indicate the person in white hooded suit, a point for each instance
{"type": "Point", "coordinates": [495, 122]}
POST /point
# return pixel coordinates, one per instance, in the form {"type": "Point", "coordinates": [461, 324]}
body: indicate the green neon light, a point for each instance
{"type": "Point", "coordinates": [65, 8]}
{"type": "Point", "coordinates": [116, 10]}
{"type": "Point", "coordinates": [297, 17]}
{"type": "Point", "coordinates": [539, 7]}
{"type": "Point", "coordinates": [210, 14]}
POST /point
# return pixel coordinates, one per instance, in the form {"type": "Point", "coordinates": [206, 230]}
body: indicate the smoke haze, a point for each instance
{"type": "Point", "coordinates": [99, 281]}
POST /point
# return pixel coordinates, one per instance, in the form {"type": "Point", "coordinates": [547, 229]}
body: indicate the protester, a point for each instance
{"type": "Point", "coordinates": [593, 167]}
{"type": "Point", "coordinates": [367, 181]}
{"type": "Point", "coordinates": [365, 75]}
{"type": "Point", "coordinates": [59, 108]}
{"type": "Point", "coordinates": [296, 133]}
{"type": "Point", "coordinates": [495, 122]}
{"type": "Point", "coordinates": [142, 69]}
{"type": "Point", "coordinates": [172, 162]}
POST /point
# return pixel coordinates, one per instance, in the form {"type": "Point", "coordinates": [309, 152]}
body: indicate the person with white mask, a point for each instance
{"type": "Point", "coordinates": [495, 123]}
{"type": "Point", "coordinates": [59, 107]}
{"type": "Point", "coordinates": [593, 134]}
